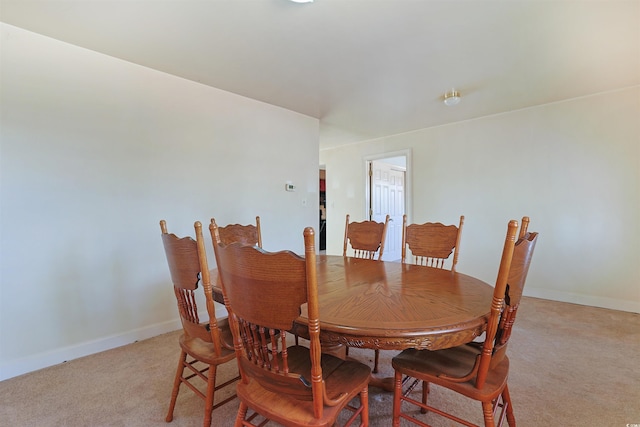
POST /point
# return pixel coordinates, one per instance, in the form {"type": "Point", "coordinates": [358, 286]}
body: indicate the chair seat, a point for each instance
{"type": "Point", "coordinates": [457, 362]}
{"type": "Point", "coordinates": [205, 351]}
{"type": "Point", "coordinates": [338, 374]}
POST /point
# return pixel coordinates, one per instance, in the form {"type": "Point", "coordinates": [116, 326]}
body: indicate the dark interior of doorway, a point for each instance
{"type": "Point", "coordinates": [323, 213]}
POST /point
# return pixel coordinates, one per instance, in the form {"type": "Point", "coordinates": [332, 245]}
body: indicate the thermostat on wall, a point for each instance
{"type": "Point", "coordinates": [289, 187]}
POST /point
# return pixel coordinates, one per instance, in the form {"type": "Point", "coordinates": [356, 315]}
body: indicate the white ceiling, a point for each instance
{"type": "Point", "coordinates": [365, 68]}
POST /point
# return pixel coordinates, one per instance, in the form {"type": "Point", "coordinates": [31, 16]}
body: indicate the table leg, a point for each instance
{"type": "Point", "coordinates": [385, 383]}
{"type": "Point", "coordinates": [338, 350]}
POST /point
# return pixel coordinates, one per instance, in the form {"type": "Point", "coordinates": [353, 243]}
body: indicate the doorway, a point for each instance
{"type": "Point", "coordinates": [386, 194]}
{"type": "Point", "coordinates": [322, 226]}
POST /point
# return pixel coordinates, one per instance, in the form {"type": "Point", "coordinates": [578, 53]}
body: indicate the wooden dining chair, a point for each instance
{"type": "Point", "coordinates": [247, 234]}
{"type": "Point", "coordinates": [478, 371]}
{"type": "Point", "coordinates": [291, 385]}
{"type": "Point", "coordinates": [205, 345]}
{"type": "Point", "coordinates": [431, 243]}
{"type": "Point", "coordinates": [366, 238]}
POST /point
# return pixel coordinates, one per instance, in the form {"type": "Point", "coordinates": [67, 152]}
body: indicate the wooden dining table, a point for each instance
{"type": "Point", "coordinates": [393, 306]}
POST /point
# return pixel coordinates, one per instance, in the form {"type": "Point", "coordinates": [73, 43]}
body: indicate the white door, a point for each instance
{"type": "Point", "coordinates": [387, 197]}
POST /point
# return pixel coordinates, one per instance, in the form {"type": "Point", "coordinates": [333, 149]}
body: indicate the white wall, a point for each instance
{"type": "Point", "coordinates": [94, 152]}
{"type": "Point", "coordinates": [573, 167]}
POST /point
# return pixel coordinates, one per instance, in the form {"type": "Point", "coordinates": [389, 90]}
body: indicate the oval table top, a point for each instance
{"type": "Point", "coordinates": [394, 306]}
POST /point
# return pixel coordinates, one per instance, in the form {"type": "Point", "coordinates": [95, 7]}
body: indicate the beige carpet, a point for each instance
{"type": "Point", "coordinates": [570, 366]}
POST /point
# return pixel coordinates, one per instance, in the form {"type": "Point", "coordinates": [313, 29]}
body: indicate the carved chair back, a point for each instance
{"type": "Point", "coordinates": [366, 238]}
{"type": "Point", "coordinates": [512, 274]}
{"type": "Point", "coordinates": [188, 266]}
{"type": "Point", "coordinates": [430, 243]}
{"type": "Point", "coordinates": [246, 234]}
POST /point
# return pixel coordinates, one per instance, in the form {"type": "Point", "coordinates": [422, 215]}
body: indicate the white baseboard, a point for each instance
{"type": "Point", "coordinates": [14, 368]}
{"type": "Point", "coordinates": [589, 300]}
{"type": "Point", "coordinates": [35, 362]}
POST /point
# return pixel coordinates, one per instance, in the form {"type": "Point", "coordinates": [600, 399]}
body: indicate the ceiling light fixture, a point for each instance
{"type": "Point", "coordinates": [302, 1]}
{"type": "Point", "coordinates": [451, 98]}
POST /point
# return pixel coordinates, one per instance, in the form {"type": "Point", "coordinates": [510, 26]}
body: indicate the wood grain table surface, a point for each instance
{"type": "Point", "coordinates": [394, 306]}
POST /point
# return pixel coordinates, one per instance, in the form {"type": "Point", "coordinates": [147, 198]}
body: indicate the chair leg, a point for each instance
{"type": "Point", "coordinates": [364, 402]}
{"type": "Point", "coordinates": [242, 413]}
{"type": "Point", "coordinates": [176, 386]}
{"type": "Point", "coordinates": [376, 358]}
{"type": "Point", "coordinates": [487, 411]}
{"type": "Point", "coordinates": [211, 390]}
{"type": "Point", "coordinates": [397, 398]}
{"type": "Point", "coordinates": [425, 394]}
{"type": "Point", "coordinates": [506, 399]}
